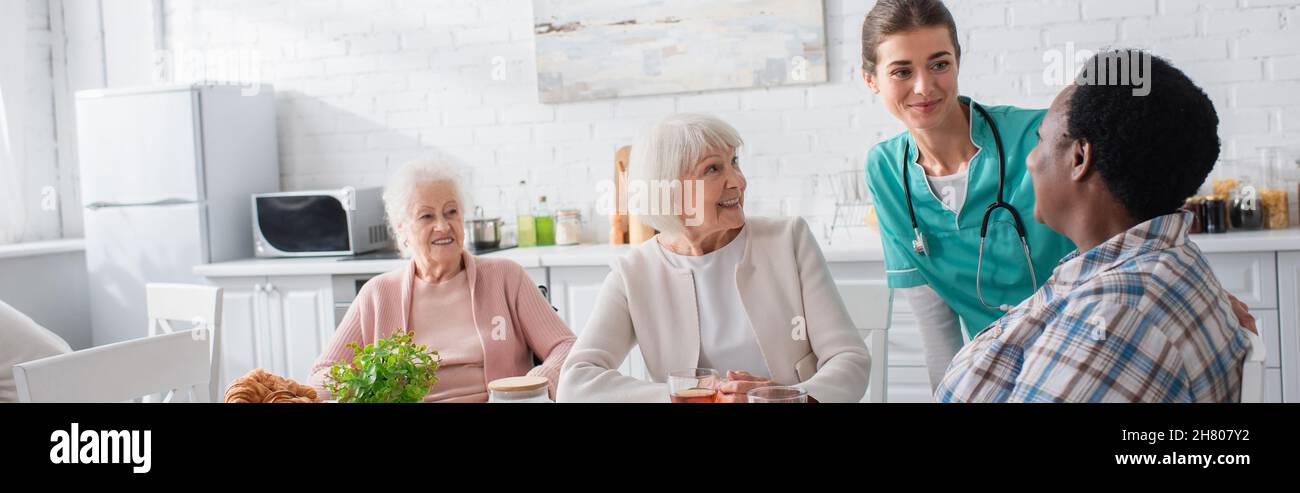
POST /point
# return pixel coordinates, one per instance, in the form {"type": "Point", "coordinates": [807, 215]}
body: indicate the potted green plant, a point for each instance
{"type": "Point", "coordinates": [394, 369]}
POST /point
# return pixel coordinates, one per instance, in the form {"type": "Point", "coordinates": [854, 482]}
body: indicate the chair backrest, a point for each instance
{"type": "Point", "coordinates": [1252, 371]}
{"type": "Point", "coordinates": [197, 306]}
{"type": "Point", "coordinates": [870, 305]}
{"type": "Point", "coordinates": [176, 365]}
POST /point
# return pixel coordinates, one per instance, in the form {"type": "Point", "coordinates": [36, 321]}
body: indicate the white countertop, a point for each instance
{"type": "Point", "coordinates": [863, 248]}
{"type": "Point", "coordinates": [1278, 240]}
{"type": "Point", "coordinates": [42, 248]}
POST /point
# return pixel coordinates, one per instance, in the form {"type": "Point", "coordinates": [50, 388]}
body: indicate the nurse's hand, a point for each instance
{"type": "Point", "coordinates": [738, 384]}
{"type": "Point", "coordinates": [1243, 314]}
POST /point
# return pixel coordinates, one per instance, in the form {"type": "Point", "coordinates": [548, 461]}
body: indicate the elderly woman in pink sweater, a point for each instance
{"type": "Point", "coordinates": [484, 316]}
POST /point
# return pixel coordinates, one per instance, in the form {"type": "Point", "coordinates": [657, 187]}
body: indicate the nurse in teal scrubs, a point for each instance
{"type": "Point", "coordinates": [911, 58]}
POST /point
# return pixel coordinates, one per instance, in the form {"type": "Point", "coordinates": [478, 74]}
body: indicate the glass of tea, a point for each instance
{"type": "Point", "coordinates": [777, 395]}
{"type": "Point", "coordinates": [693, 386]}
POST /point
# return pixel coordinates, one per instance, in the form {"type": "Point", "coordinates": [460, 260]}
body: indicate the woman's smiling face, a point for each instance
{"type": "Point", "coordinates": [916, 77]}
{"type": "Point", "coordinates": [434, 226]}
{"type": "Point", "coordinates": [723, 185]}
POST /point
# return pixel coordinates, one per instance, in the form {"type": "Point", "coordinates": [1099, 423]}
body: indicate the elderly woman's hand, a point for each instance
{"type": "Point", "coordinates": [738, 384]}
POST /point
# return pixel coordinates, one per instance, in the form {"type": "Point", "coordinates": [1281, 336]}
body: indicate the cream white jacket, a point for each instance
{"type": "Point", "coordinates": [802, 326]}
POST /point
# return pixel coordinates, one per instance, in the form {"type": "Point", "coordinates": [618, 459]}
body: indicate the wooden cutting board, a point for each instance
{"type": "Point", "coordinates": [625, 228]}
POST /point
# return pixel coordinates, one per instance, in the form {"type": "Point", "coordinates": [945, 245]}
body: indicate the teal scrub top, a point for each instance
{"type": "Point", "coordinates": [953, 238]}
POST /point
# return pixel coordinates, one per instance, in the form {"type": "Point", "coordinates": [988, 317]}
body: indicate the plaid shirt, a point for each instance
{"type": "Point", "coordinates": [1139, 318]}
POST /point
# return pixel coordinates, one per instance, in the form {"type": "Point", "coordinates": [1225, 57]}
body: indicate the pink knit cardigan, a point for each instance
{"type": "Point", "coordinates": [514, 321]}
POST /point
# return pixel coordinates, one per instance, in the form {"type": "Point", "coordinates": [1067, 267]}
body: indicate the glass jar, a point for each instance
{"type": "Point", "coordinates": [1273, 195]}
{"type": "Point", "coordinates": [568, 227]}
{"type": "Point", "coordinates": [1246, 212]}
{"type": "Point", "coordinates": [1196, 207]}
{"type": "Point", "coordinates": [519, 390]}
{"type": "Point", "coordinates": [1216, 215]}
{"type": "Point", "coordinates": [1236, 181]}
{"type": "Point", "coordinates": [1226, 186]}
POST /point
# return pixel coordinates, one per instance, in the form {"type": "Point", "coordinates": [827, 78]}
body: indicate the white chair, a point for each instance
{"type": "Point", "coordinates": [176, 364]}
{"type": "Point", "coordinates": [871, 305]}
{"type": "Point", "coordinates": [197, 306]}
{"type": "Point", "coordinates": [1252, 371]}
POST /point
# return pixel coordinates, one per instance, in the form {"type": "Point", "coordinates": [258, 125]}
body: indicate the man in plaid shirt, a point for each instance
{"type": "Point", "coordinates": [1135, 314]}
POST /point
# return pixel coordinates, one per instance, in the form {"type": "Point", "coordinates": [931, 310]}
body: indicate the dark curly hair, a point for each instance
{"type": "Point", "coordinates": [1153, 150]}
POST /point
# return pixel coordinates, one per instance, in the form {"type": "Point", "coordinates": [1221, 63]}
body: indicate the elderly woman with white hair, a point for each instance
{"type": "Point", "coordinates": [751, 297]}
{"type": "Point", "coordinates": [454, 302]}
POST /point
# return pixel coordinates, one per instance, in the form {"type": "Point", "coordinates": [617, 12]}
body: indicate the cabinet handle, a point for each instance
{"type": "Point", "coordinates": [257, 288]}
{"type": "Point", "coordinates": [270, 288]}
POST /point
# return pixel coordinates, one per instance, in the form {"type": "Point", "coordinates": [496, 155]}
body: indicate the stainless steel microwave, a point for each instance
{"type": "Point", "coordinates": [345, 221]}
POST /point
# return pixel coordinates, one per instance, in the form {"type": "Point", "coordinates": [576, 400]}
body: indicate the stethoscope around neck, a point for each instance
{"type": "Point", "coordinates": [919, 245]}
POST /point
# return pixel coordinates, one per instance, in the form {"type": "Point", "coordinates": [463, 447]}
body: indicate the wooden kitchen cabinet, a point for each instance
{"type": "Point", "coordinates": [280, 324]}
{"type": "Point", "coordinates": [1254, 278]}
{"type": "Point", "coordinates": [1248, 276]}
{"type": "Point", "coordinates": [1288, 276]}
{"type": "Point", "coordinates": [908, 380]}
{"type": "Point", "coordinates": [302, 322]}
{"type": "Point", "coordinates": [574, 291]}
{"type": "Point", "coordinates": [243, 322]}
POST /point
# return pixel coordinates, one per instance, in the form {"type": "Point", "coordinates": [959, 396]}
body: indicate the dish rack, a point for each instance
{"type": "Point", "coordinates": [852, 201]}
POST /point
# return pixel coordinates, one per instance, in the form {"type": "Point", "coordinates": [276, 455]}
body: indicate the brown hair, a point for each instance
{"type": "Point", "coordinates": [890, 17]}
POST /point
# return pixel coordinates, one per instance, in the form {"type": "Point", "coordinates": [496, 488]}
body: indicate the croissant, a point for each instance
{"type": "Point", "coordinates": [259, 386]}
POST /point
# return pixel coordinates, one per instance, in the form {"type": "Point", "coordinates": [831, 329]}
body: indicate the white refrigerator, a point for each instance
{"type": "Point", "coordinates": [166, 175]}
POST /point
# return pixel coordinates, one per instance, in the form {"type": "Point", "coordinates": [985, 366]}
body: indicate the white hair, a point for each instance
{"type": "Point", "coordinates": [667, 151]}
{"type": "Point", "coordinates": [402, 185]}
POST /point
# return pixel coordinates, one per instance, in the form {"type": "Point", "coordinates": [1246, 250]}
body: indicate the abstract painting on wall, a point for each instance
{"type": "Point", "coordinates": [598, 49]}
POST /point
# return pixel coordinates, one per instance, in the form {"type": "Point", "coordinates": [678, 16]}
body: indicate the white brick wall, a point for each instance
{"type": "Point", "coordinates": [366, 84]}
